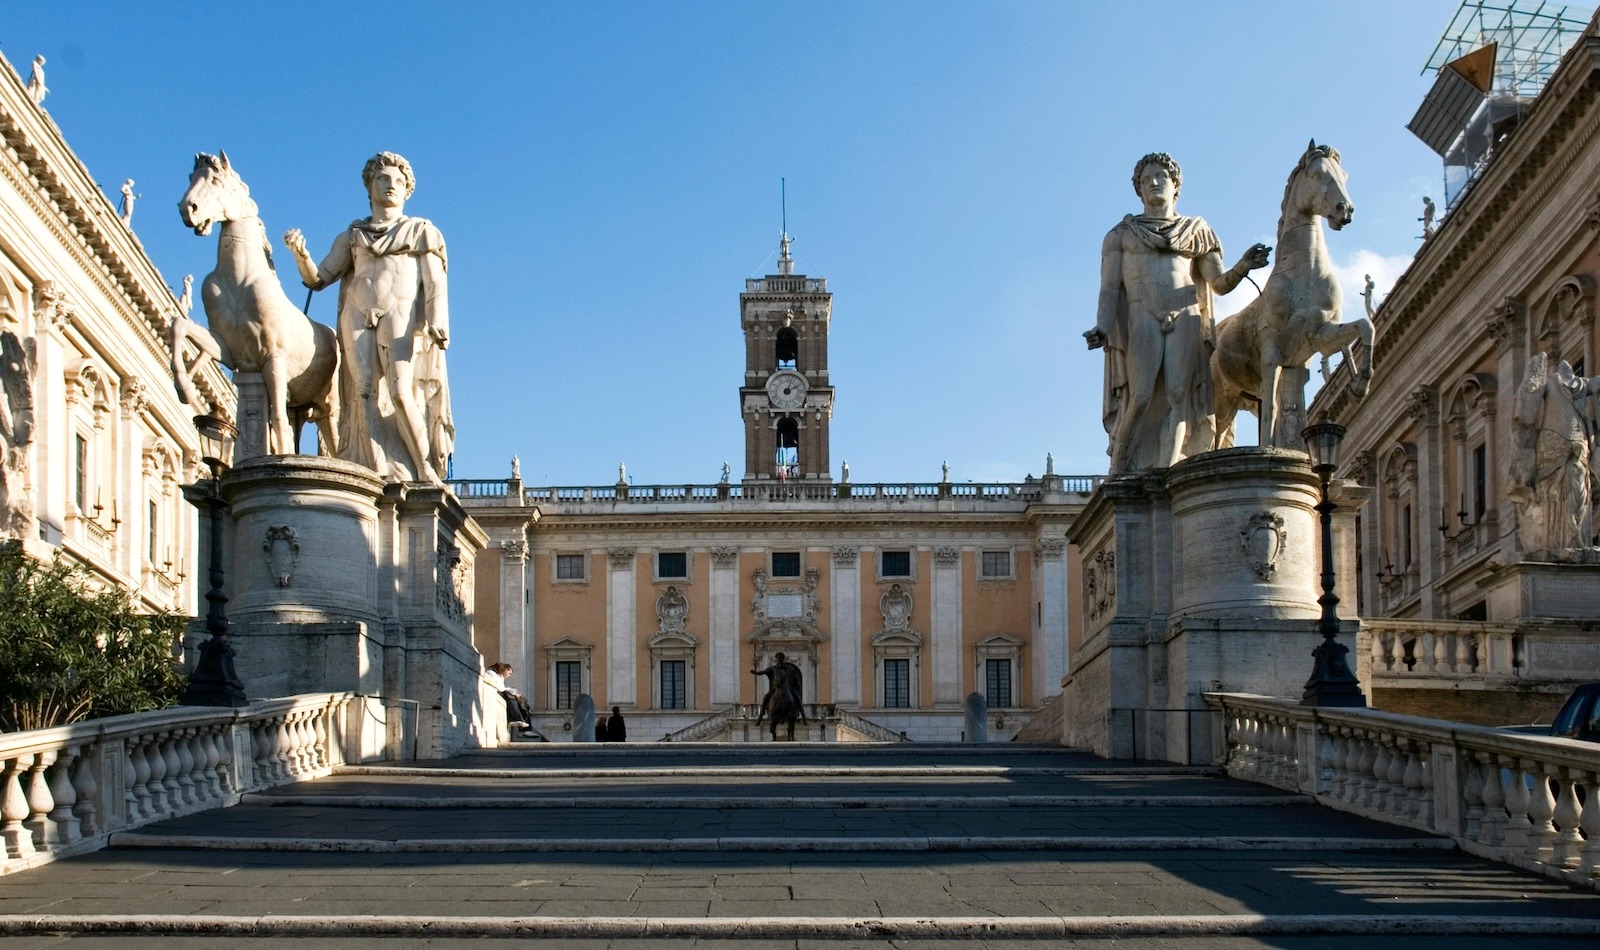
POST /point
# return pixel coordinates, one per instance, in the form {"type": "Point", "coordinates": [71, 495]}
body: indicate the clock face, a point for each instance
{"type": "Point", "coordinates": [786, 390]}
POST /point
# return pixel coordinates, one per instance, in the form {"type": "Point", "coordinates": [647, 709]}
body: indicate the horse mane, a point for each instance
{"type": "Point", "coordinates": [1313, 152]}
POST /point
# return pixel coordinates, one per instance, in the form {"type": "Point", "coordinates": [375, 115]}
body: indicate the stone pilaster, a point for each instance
{"type": "Point", "coordinates": [516, 637]}
{"type": "Point", "coordinates": [844, 586]}
{"type": "Point", "coordinates": [945, 627]}
{"type": "Point", "coordinates": [724, 621]}
{"type": "Point", "coordinates": [621, 625]}
{"type": "Point", "coordinates": [1050, 577]}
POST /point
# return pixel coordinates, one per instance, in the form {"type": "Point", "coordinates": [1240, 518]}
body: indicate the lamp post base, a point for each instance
{"type": "Point", "coordinates": [214, 681]}
{"type": "Point", "coordinates": [1331, 682]}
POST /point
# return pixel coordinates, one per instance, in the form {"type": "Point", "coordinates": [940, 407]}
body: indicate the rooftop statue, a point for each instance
{"type": "Point", "coordinates": [1297, 313]}
{"type": "Point", "coordinates": [1428, 212]}
{"type": "Point", "coordinates": [1158, 271]}
{"type": "Point", "coordinates": [125, 208]}
{"type": "Point", "coordinates": [36, 87]}
{"type": "Point", "coordinates": [394, 326]}
{"type": "Point", "coordinates": [252, 325]}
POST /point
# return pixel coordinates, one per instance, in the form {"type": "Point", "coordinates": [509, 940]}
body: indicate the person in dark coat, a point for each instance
{"type": "Point", "coordinates": [601, 733]}
{"type": "Point", "coordinates": [616, 729]}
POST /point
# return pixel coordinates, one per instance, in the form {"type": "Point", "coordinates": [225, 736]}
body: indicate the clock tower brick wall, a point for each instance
{"type": "Point", "coordinates": [768, 308]}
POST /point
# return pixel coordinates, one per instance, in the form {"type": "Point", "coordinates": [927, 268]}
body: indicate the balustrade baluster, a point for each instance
{"type": "Point", "coordinates": [86, 782]}
{"type": "Point", "coordinates": [1565, 848]}
{"type": "Point", "coordinates": [1424, 661]}
{"type": "Point", "coordinates": [1518, 797]}
{"type": "Point", "coordinates": [1396, 660]}
{"type": "Point", "coordinates": [1463, 661]}
{"type": "Point", "coordinates": [138, 778]}
{"type": "Point", "coordinates": [1425, 810]}
{"type": "Point", "coordinates": [183, 769]}
{"type": "Point", "coordinates": [283, 750]}
{"type": "Point", "coordinates": [1589, 823]}
{"type": "Point", "coordinates": [1494, 800]}
{"type": "Point", "coordinates": [156, 756]}
{"type": "Point", "coordinates": [1441, 656]}
{"type": "Point", "coordinates": [1366, 787]}
{"type": "Point", "coordinates": [64, 825]}
{"type": "Point", "coordinates": [1384, 754]}
{"type": "Point", "coordinates": [1471, 797]}
{"type": "Point", "coordinates": [13, 809]}
{"type": "Point", "coordinates": [40, 802]}
{"type": "Point", "coordinates": [1541, 812]}
{"type": "Point", "coordinates": [210, 779]}
{"type": "Point", "coordinates": [1380, 651]}
{"type": "Point", "coordinates": [319, 724]}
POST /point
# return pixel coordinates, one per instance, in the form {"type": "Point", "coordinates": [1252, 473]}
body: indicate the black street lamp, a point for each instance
{"type": "Point", "coordinates": [1331, 683]}
{"type": "Point", "coordinates": [214, 681]}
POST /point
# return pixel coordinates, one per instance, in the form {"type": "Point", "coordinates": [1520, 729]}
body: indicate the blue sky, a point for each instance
{"type": "Point", "coordinates": [606, 176]}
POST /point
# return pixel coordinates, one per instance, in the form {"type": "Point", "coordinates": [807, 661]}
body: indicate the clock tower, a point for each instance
{"type": "Point", "coordinates": [786, 400]}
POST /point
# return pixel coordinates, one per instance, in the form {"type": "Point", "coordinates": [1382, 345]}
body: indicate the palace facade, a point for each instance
{"type": "Point", "coordinates": [1466, 613]}
{"type": "Point", "coordinates": [896, 600]}
{"type": "Point", "coordinates": [97, 445]}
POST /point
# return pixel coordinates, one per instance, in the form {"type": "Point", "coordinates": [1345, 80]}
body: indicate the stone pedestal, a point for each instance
{"type": "Point", "coordinates": [1197, 578]}
{"type": "Point", "coordinates": [338, 581]}
{"type": "Point", "coordinates": [1539, 590]}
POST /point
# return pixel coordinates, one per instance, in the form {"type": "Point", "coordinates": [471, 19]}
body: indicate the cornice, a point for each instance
{"type": "Point", "coordinates": [65, 199]}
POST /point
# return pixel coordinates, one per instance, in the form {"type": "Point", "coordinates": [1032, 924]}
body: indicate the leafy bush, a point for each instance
{"type": "Point", "coordinates": [70, 651]}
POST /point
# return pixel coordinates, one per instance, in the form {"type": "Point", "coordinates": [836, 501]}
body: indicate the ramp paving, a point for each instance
{"type": "Point", "coordinates": [1048, 848]}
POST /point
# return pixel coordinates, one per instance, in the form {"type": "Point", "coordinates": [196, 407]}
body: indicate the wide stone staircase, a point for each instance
{"type": "Point", "coordinates": [784, 845]}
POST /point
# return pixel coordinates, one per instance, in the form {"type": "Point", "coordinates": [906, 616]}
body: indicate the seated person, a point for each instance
{"type": "Point", "coordinates": [519, 715]}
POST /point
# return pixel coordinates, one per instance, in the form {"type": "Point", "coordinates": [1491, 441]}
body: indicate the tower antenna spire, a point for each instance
{"type": "Point", "coordinates": [785, 262]}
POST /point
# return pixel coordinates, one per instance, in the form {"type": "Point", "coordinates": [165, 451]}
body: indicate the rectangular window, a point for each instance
{"type": "Point", "coordinates": [672, 565]}
{"type": "Point", "coordinates": [569, 567]}
{"type": "Point", "coordinates": [80, 472]}
{"type": "Point", "coordinates": [785, 563]}
{"type": "Point", "coordinates": [997, 682]}
{"type": "Point", "coordinates": [896, 563]}
{"type": "Point", "coordinates": [569, 682]}
{"type": "Point", "coordinates": [674, 685]}
{"type": "Point", "coordinates": [1480, 482]}
{"type": "Point", "coordinates": [897, 684]}
{"type": "Point", "coordinates": [996, 564]}
{"type": "Point", "coordinates": [155, 529]}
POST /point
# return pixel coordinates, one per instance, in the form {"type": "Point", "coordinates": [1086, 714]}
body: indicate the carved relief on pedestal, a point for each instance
{"type": "Point", "coordinates": [1100, 584]}
{"type": "Point", "coordinates": [451, 581]}
{"type": "Point", "coordinates": [1263, 538]}
{"type": "Point", "coordinates": [282, 549]}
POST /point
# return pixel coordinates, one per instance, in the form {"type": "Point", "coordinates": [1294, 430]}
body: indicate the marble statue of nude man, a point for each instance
{"type": "Point", "coordinates": [394, 326]}
{"type": "Point", "coordinates": [1158, 271]}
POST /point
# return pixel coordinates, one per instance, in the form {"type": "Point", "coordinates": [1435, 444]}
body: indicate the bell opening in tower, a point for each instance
{"type": "Point", "coordinates": [788, 349]}
{"type": "Point", "coordinates": [787, 463]}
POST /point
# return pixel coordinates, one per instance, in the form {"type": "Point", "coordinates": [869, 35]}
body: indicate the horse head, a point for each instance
{"type": "Point", "coordinates": [1317, 187]}
{"type": "Point", "coordinates": [216, 193]}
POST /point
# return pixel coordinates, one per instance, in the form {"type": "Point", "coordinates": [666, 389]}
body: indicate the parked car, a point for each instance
{"type": "Point", "coordinates": [1579, 717]}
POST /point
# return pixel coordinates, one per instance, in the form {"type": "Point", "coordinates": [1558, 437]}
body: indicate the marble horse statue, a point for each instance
{"type": "Point", "coordinates": [1297, 314]}
{"type": "Point", "coordinates": [253, 326]}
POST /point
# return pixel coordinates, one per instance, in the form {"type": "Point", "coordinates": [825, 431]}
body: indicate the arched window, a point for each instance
{"type": "Point", "coordinates": [788, 456]}
{"type": "Point", "coordinates": [788, 349]}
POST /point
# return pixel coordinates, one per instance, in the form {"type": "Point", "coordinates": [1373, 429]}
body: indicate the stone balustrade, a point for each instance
{"type": "Point", "coordinates": [67, 789]}
{"type": "Point", "coordinates": [1442, 648]}
{"type": "Point", "coordinates": [504, 490]}
{"type": "Point", "coordinates": [1531, 801]}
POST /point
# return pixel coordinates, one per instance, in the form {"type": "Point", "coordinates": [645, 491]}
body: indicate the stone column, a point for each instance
{"type": "Point", "coordinates": [844, 586]}
{"type": "Point", "coordinates": [1424, 407]}
{"type": "Point", "coordinates": [1050, 576]}
{"type": "Point", "coordinates": [621, 627]}
{"type": "Point", "coordinates": [52, 419]}
{"type": "Point", "coordinates": [724, 646]}
{"type": "Point", "coordinates": [945, 627]}
{"type": "Point", "coordinates": [127, 495]}
{"type": "Point", "coordinates": [516, 642]}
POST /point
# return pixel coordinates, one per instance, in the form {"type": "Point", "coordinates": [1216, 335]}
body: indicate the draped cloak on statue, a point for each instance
{"type": "Point", "coordinates": [368, 427]}
{"type": "Point", "coordinates": [1191, 238]}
